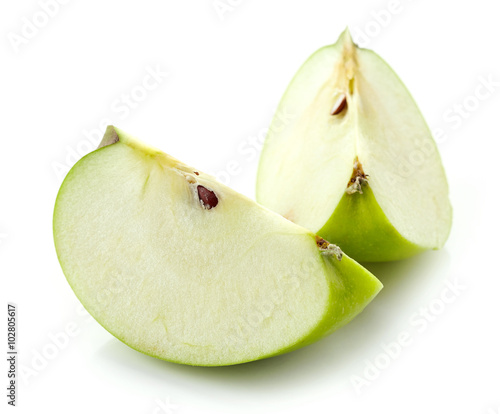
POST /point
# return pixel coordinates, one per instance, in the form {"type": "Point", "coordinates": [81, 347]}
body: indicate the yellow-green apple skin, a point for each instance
{"type": "Point", "coordinates": [373, 238]}
{"type": "Point", "coordinates": [180, 267]}
{"type": "Point", "coordinates": [356, 162]}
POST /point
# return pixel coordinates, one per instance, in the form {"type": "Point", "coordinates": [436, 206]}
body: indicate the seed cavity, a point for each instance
{"type": "Point", "coordinates": [208, 199]}
{"type": "Point", "coordinates": [329, 249]}
{"type": "Point", "coordinates": [339, 105]}
{"type": "Point", "coordinates": [358, 179]}
{"type": "Point", "coordinates": [351, 86]}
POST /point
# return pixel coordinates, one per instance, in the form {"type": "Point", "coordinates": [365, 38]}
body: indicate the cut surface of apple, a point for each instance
{"type": "Point", "coordinates": [357, 163]}
{"type": "Point", "coordinates": [179, 266]}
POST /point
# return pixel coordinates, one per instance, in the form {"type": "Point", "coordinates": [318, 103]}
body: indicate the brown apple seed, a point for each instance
{"type": "Point", "coordinates": [207, 197]}
{"type": "Point", "coordinates": [339, 105]}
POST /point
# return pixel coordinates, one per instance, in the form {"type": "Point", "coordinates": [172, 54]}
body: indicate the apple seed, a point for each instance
{"type": "Point", "coordinates": [208, 199]}
{"type": "Point", "coordinates": [339, 105]}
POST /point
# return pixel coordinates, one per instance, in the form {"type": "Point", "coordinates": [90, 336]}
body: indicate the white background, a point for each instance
{"type": "Point", "coordinates": [227, 69]}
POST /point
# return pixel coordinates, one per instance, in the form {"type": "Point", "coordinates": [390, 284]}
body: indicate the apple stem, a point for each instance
{"type": "Point", "coordinates": [358, 179]}
{"type": "Point", "coordinates": [333, 250]}
{"type": "Point", "coordinates": [356, 186]}
{"type": "Point", "coordinates": [328, 248]}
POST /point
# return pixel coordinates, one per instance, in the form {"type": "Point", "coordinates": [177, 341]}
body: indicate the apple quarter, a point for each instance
{"type": "Point", "coordinates": [179, 266]}
{"type": "Point", "coordinates": [357, 163]}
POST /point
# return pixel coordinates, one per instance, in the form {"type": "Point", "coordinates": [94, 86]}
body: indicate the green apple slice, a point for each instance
{"type": "Point", "coordinates": [357, 164]}
{"type": "Point", "coordinates": [179, 266]}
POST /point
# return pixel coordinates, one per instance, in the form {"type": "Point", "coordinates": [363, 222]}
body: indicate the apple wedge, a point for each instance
{"type": "Point", "coordinates": [357, 164]}
{"type": "Point", "coordinates": [180, 267]}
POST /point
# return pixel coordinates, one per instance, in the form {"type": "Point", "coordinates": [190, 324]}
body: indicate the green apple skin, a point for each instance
{"type": "Point", "coordinates": [357, 223]}
{"type": "Point", "coordinates": [372, 238]}
{"type": "Point", "coordinates": [126, 181]}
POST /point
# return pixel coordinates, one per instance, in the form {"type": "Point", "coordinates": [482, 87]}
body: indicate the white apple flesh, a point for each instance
{"type": "Point", "coordinates": [178, 266]}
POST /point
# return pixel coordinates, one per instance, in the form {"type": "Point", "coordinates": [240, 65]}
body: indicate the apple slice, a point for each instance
{"type": "Point", "coordinates": [181, 267]}
{"type": "Point", "coordinates": [357, 164]}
